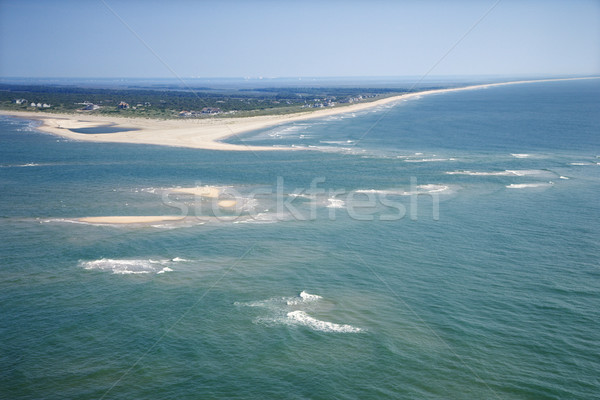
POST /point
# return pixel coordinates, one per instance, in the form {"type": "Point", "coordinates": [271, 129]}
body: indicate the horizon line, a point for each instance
{"type": "Point", "coordinates": [258, 78]}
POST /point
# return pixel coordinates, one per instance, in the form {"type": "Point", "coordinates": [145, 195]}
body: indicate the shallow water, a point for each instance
{"type": "Point", "coordinates": [358, 288]}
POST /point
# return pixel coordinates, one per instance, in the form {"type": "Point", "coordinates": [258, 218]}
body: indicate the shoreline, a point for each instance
{"type": "Point", "coordinates": [207, 133]}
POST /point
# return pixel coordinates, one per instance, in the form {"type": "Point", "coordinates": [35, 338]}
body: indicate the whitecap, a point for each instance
{"type": "Point", "coordinates": [292, 311]}
{"type": "Point", "coordinates": [299, 317]}
{"type": "Point", "coordinates": [477, 173]}
{"type": "Point", "coordinates": [507, 172]}
{"type": "Point", "coordinates": [302, 298]}
{"type": "Point", "coordinates": [22, 165]}
{"type": "Point", "coordinates": [335, 203]}
{"type": "Point", "coordinates": [431, 188]}
{"type": "Point", "coordinates": [420, 190]}
{"type": "Point", "coordinates": [302, 195]}
{"type": "Point", "coordinates": [344, 142]}
{"type": "Point", "coordinates": [528, 172]}
{"type": "Point", "coordinates": [520, 155]}
{"type": "Point", "coordinates": [427, 189]}
{"type": "Point", "coordinates": [528, 185]}
{"type": "Point", "coordinates": [127, 266]}
{"type": "Point", "coordinates": [420, 160]}
{"type": "Point", "coordinates": [372, 191]}
{"type": "Point", "coordinates": [332, 141]}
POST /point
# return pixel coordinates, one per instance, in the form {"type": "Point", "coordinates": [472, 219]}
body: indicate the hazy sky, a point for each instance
{"type": "Point", "coordinates": [299, 38]}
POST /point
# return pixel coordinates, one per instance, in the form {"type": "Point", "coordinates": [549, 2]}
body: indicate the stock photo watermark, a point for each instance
{"type": "Point", "coordinates": [312, 202]}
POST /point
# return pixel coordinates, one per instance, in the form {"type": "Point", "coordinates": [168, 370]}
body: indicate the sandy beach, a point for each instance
{"type": "Point", "coordinates": [208, 133]}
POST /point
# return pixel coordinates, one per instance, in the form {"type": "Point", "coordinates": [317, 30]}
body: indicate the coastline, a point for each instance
{"type": "Point", "coordinates": [208, 133]}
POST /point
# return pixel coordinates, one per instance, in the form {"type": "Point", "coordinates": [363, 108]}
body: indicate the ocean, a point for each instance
{"type": "Point", "coordinates": [445, 247]}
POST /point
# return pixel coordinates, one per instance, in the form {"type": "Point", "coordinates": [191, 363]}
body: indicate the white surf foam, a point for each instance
{"type": "Point", "coordinates": [128, 266]}
{"type": "Point", "coordinates": [263, 218]}
{"type": "Point", "coordinates": [26, 165]}
{"type": "Point", "coordinates": [427, 189]}
{"type": "Point", "coordinates": [529, 185]}
{"type": "Point", "coordinates": [286, 131]}
{"type": "Point", "coordinates": [508, 172]}
{"type": "Point", "coordinates": [420, 190]}
{"type": "Point", "coordinates": [432, 188]}
{"type": "Point", "coordinates": [301, 195]}
{"type": "Point", "coordinates": [420, 160]}
{"type": "Point", "coordinates": [292, 311]}
{"type": "Point", "coordinates": [335, 203]}
{"type": "Point", "coordinates": [245, 204]}
{"type": "Point", "coordinates": [299, 317]}
{"type": "Point", "coordinates": [29, 126]}
{"type": "Point", "coordinates": [520, 155]}
{"type": "Point", "coordinates": [62, 220]}
{"type": "Point", "coordinates": [374, 191]}
{"type": "Point", "coordinates": [344, 142]}
{"type": "Point", "coordinates": [303, 298]}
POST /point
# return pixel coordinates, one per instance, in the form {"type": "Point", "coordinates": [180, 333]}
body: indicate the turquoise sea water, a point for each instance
{"type": "Point", "coordinates": [449, 250]}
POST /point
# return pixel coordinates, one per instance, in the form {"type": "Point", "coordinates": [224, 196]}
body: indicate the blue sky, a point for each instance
{"type": "Point", "coordinates": [297, 39]}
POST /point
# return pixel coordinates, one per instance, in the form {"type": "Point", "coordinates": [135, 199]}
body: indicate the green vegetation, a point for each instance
{"type": "Point", "coordinates": [167, 102]}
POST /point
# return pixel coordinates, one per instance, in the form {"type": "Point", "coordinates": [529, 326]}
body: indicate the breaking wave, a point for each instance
{"type": "Point", "coordinates": [293, 311]}
{"type": "Point", "coordinates": [420, 160]}
{"type": "Point", "coordinates": [131, 266]}
{"type": "Point", "coordinates": [301, 318]}
{"type": "Point", "coordinates": [335, 203]}
{"type": "Point", "coordinates": [419, 190]}
{"type": "Point", "coordinates": [508, 172]}
{"type": "Point", "coordinates": [529, 185]}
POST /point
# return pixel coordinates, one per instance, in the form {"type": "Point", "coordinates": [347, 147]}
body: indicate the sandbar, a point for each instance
{"type": "Point", "coordinates": [202, 191]}
{"type": "Point", "coordinates": [227, 203]}
{"type": "Point", "coordinates": [208, 133]}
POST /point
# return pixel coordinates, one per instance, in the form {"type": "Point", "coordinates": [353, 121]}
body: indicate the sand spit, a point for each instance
{"type": "Point", "coordinates": [208, 133]}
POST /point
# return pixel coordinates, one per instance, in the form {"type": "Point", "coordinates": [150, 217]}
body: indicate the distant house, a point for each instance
{"type": "Point", "coordinates": [205, 110]}
{"type": "Point", "coordinates": [211, 110]}
{"type": "Point", "coordinates": [32, 105]}
{"type": "Point", "coordinates": [21, 101]}
{"type": "Point", "coordinates": [46, 105]}
{"type": "Point", "coordinates": [87, 106]}
{"type": "Point", "coordinates": [122, 105]}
